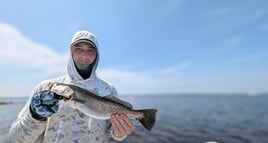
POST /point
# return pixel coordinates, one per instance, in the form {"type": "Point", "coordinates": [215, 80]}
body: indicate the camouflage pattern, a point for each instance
{"type": "Point", "coordinates": [67, 125]}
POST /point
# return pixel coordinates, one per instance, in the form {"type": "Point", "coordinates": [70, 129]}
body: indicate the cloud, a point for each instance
{"type": "Point", "coordinates": [17, 51]}
{"type": "Point", "coordinates": [165, 80]}
{"type": "Point", "coordinates": [243, 59]}
{"type": "Point", "coordinates": [167, 9]}
{"type": "Point", "coordinates": [235, 40]}
{"type": "Point", "coordinates": [260, 13]}
{"type": "Point", "coordinates": [174, 70]}
{"type": "Point", "coordinates": [173, 6]}
{"type": "Point", "coordinates": [264, 27]}
{"type": "Point", "coordinates": [221, 11]}
{"type": "Point", "coordinates": [21, 53]}
{"type": "Point", "coordinates": [231, 42]}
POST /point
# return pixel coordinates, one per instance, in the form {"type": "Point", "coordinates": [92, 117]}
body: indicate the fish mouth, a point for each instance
{"type": "Point", "coordinates": [62, 90]}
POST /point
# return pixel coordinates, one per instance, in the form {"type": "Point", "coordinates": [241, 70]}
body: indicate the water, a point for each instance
{"type": "Point", "coordinates": [8, 114]}
{"type": "Point", "coordinates": [187, 119]}
{"type": "Point", "coordinates": [199, 119]}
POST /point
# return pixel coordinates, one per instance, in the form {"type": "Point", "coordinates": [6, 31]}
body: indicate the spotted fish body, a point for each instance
{"type": "Point", "coordinates": [100, 107]}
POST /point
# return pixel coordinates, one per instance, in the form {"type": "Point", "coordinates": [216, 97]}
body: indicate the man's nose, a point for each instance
{"type": "Point", "coordinates": [84, 54]}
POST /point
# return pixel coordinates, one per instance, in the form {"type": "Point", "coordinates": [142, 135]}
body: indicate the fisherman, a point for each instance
{"type": "Point", "coordinates": [46, 118]}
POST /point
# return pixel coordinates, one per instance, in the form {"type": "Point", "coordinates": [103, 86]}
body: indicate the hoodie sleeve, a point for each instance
{"type": "Point", "coordinates": [25, 128]}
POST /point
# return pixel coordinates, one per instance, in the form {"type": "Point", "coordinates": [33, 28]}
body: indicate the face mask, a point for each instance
{"type": "Point", "coordinates": [82, 66]}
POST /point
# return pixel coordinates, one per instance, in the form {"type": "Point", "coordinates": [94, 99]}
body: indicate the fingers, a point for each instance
{"type": "Point", "coordinates": [122, 125]}
{"type": "Point", "coordinates": [117, 130]}
{"type": "Point", "coordinates": [44, 104]}
{"type": "Point", "coordinates": [57, 97]}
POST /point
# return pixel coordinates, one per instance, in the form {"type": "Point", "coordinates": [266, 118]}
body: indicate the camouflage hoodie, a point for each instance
{"type": "Point", "coordinates": [67, 125]}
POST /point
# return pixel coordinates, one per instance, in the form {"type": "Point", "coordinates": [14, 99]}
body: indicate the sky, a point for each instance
{"type": "Point", "coordinates": [146, 46]}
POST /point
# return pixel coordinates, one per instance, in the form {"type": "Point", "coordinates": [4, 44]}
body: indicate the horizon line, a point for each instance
{"type": "Point", "coordinates": [177, 94]}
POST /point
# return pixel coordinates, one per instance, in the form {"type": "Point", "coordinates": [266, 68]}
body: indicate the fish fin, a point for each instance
{"type": "Point", "coordinates": [79, 100]}
{"type": "Point", "coordinates": [149, 118]}
{"type": "Point", "coordinates": [115, 99]}
{"type": "Point", "coordinates": [80, 89]}
{"type": "Point", "coordinates": [81, 114]}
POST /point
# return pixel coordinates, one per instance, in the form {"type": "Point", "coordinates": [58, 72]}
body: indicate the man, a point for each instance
{"type": "Point", "coordinates": [47, 119]}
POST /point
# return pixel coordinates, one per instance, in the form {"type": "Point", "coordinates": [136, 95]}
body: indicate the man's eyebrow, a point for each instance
{"type": "Point", "coordinates": [77, 45]}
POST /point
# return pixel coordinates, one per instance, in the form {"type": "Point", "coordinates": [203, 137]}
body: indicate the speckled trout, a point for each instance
{"type": "Point", "coordinates": [99, 107]}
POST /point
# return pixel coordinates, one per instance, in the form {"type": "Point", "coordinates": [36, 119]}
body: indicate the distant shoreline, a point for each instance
{"type": "Point", "coordinates": [5, 102]}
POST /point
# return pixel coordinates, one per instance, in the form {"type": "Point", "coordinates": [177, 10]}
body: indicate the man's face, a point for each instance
{"type": "Point", "coordinates": [83, 53]}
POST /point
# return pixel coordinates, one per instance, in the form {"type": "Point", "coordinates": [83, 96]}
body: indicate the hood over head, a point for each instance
{"type": "Point", "coordinates": [83, 36]}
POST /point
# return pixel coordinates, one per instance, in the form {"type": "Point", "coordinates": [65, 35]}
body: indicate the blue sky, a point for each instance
{"type": "Point", "coordinates": [146, 46]}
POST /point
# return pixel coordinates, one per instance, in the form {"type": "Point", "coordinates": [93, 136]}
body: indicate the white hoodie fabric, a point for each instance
{"type": "Point", "coordinates": [67, 125]}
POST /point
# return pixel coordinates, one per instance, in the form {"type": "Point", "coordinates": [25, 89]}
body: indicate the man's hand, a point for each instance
{"type": "Point", "coordinates": [122, 125]}
{"type": "Point", "coordinates": [44, 104]}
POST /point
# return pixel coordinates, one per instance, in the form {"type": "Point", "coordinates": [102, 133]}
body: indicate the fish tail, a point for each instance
{"type": "Point", "coordinates": [149, 118]}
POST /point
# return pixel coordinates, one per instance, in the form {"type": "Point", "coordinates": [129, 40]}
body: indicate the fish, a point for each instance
{"type": "Point", "coordinates": [89, 103]}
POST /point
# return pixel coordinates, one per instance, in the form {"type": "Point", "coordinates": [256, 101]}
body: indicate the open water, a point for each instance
{"type": "Point", "coordinates": [185, 119]}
